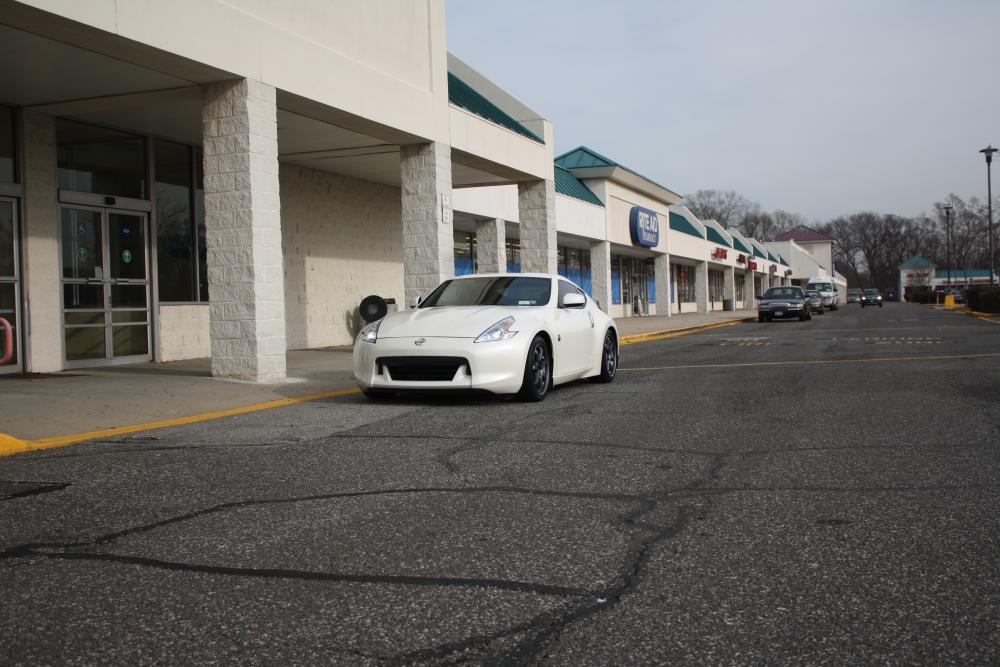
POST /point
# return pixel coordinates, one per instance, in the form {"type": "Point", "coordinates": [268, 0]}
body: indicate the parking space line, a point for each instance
{"type": "Point", "coordinates": [12, 445]}
{"type": "Point", "coordinates": [810, 362]}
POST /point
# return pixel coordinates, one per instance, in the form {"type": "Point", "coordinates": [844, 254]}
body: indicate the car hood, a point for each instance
{"type": "Point", "coordinates": [446, 321]}
{"type": "Point", "coordinates": [787, 300]}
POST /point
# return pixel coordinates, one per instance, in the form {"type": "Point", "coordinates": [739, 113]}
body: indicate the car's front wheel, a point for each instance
{"type": "Point", "coordinates": [609, 359]}
{"type": "Point", "coordinates": [378, 394]}
{"type": "Point", "coordinates": [537, 372]}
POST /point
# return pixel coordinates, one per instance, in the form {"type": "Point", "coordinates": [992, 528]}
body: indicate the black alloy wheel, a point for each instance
{"type": "Point", "coordinates": [609, 359]}
{"type": "Point", "coordinates": [537, 372]}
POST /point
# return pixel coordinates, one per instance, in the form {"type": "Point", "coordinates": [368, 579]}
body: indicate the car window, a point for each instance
{"type": "Point", "coordinates": [492, 291]}
{"type": "Point", "coordinates": [566, 287]}
{"type": "Point", "coordinates": [783, 293]}
{"type": "Point", "coordinates": [822, 287]}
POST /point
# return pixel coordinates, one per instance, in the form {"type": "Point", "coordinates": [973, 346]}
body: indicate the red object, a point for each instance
{"type": "Point", "coordinates": [752, 264]}
{"type": "Point", "coordinates": [719, 253]}
{"type": "Point", "coordinates": [741, 259]}
{"type": "Point", "coordinates": [8, 342]}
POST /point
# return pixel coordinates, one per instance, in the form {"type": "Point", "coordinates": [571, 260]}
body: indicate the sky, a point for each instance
{"type": "Point", "coordinates": [824, 107]}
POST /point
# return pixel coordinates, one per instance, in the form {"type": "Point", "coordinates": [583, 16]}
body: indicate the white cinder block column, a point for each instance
{"type": "Point", "coordinates": [491, 246]}
{"type": "Point", "coordinates": [428, 241]}
{"type": "Point", "coordinates": [748, 290]}
{"type": "Point", "coordinates": [661, 269]}
{"type": "Point", "coordinates": [729, 285]}
{"type": "Point", "coordinates": [40, 232]}
{"type": "Point", "coordinates": [765, 282]}
{"type": "Point", "coordinates": [243, 231]}
{"type": "Point", "coordinates": [536, 205]}
{"type": "Point", "coordinates": [600, 274]}
{"type": "Point", "coordinates": [701, 287]}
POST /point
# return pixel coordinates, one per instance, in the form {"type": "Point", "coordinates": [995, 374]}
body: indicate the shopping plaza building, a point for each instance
{"type": "Point", "coordinates": [228, 180]}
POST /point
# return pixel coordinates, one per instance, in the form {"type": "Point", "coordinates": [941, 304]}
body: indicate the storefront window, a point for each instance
{"type": "Point", "coordinates": [175, 233]}
{"type": "Point", "coordinates": [741, 288]}
{"type": "Point", "coordinates": [513, 257]}
{"type": "Point", "coordinates": [574, 264]}
{"type": "Point", "coordinates": [8, 154]}
{"type": "Point", "coordinates": [199, 216]}
{"type": "Point", "coordinates": [716, 285]}
{"type": "Point", "coordinates": [651, 280]}
{"type": "Point", "coordinates": [100, 160]}
{"type": "Point", "coordinates": [465, 259]}
{"type": "Point", "coordinates": [685, 284]}
{"type": "Point", "coordinates": [616, 279]}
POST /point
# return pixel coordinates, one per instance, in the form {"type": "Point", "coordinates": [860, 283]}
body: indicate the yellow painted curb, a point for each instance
{"type": "Point", "coordinates": [11, 445]}
{"type": "Point", "coordinates": [673, 333]}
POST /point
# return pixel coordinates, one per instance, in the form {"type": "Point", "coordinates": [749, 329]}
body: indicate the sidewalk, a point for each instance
{"type": "Point", "coordinates": [53, 405]}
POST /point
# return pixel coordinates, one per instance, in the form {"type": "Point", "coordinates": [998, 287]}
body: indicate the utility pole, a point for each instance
{"type": "Point", "coordinates": [988, 152]}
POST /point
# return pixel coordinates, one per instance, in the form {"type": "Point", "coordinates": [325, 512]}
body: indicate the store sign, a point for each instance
{"type": "Point", "coordinates": [773, 269]}
{"type": "Point", "coordinates": [788, 272]}
{"type": "Point", "coordinates": [645, 227]}
{"type": "Point", "coordinates": [720, 253]}
{"type": "Point", "coordinates": [741, 259]}
{"type": "Point", "coordinates": [751, 264]}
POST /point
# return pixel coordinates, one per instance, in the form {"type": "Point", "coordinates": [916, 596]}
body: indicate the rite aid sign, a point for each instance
{"type": "Point", "coordinates": [645, 227]}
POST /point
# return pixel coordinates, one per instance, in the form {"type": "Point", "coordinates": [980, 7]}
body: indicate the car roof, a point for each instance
{"type": "Point", "coordinates": [505, 275]}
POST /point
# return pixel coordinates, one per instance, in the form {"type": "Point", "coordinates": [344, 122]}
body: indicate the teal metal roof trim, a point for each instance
{"type": "Point", "coordinates": [679, 223]}
{"type": "Point", "coordinates": [571, 186]}
{"type": "Point", "coordinates": [784, 261]}
{"type": "Point", "coordinates": [917, 262]}
{"type": "Point", "coordinates": [586, 158]}
{"type": "Point", "coordinates": [759, 252]}
{"type": "Point", "coordinates": [716, 237]}
{"type": "Point", "coordinates": [962, 273]}
{"type": "Point", "coordinates": [771, 257]}
{"type": "Point", "coordinates": [739, 245]}
{"type": "Point", "coordinates": [463, 95]}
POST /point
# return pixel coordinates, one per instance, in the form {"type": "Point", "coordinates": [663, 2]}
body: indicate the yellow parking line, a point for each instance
{"type": "Point", "coordinates": [674, 333]}
{"type": "Point", "coordinates": [11, 445]}
{"type": "Point", "coordinates": [817, 361]}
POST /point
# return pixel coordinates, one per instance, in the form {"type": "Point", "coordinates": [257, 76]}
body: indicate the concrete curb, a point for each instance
{"type": "Point", "coordinates": [683, 331]}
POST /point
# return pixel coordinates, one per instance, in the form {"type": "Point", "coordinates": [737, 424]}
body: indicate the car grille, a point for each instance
{"type": "Point", "coordinates": [422, 369]}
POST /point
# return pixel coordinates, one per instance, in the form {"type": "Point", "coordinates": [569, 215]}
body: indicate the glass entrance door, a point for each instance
{"type": "Point", "coordinates": [105, 281]}
{"type": "Point", "coordinates": [10, 286]}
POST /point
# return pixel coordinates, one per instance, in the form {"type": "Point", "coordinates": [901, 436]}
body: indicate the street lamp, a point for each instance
{"type": "Point", "coordinates": [988, 152]}
{"type": "Point", "coordinates": [947, 225]}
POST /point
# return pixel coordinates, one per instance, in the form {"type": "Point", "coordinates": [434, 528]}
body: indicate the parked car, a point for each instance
{"type": "Point", "coordinates": [871, 297]}
{"type": "Point", "coordinates": [853, 296]}
{"type": "Point", "coordinates": [958, 295]}
{"type": "Point", "coordinates": [502, 333]}
{"type": "Point", "coordinates": [815, 301]}
{"type": "Point", "coordinates": [824, 285]}
{"type": "Point", "coordinates": [892, 296]}
{"type": "Point", "coordinates": [787, 301]}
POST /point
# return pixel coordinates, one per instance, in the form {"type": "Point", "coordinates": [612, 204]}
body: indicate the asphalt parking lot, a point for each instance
{"type": "Point", "coordinates": [787, 492]}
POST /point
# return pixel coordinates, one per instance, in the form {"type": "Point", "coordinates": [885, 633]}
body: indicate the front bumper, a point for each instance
{"type": "Point", "coordinates": [497, 366]}
{"type": "Point", "coordinates": [785, 311]}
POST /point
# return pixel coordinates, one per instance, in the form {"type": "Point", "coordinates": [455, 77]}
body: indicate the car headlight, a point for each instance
{"type": "Point", "coordinates": [499, 331]}
{"type": "Point", "coordinates": [370, 333]}
{"type": "Point", "coordinates": [879, 297]}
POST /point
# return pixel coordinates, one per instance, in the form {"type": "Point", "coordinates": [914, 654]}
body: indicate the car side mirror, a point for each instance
{"type": "Point", "coordinates": [416, 301]}
{"type": "Point", "coordinates": [574, 300]}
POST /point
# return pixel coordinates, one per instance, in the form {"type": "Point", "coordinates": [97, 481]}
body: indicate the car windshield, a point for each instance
{"type": "Point", "coordinates": [822, 287]}
{"type": "Point", "coordinates": [812, 293]}
{"type": "Point", "coordinates": [492, 291]}
{"type": "Point", "coordinates": [871, 292]}
{"type": "Point", "coordinates": [783, 293]}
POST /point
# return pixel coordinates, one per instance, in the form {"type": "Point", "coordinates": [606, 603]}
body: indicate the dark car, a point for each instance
{"type": "Point", "coordinates": [815, 301]}
{"type": "Point", "coordinates": [785, 301]}
{"type": "Point", "coordinates": [853, 296]}
{"type": "Point", "coordinates": [871, 297]}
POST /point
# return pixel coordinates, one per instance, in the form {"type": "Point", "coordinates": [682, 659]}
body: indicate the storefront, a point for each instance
{"type": "Point", "coordinates": [10, 281]}
{"type": "Point", "coordinates": [633, 284]}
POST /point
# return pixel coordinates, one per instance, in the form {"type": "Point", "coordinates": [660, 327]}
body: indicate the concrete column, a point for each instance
{"type": "Point", "coordinates": [661, 267]}
{"type": "Point", "coordinates": [491, 246]}
{"type": "Point", "coordinates": [750, 300]}
{"type": "Point", "coordinates": [600, 274]}
{"type": "Point", "coordinates": [729, 284]}
{"type": "Point", "coordinates": [428, 241]}
{"type": "Point", "coordinates": [701, 287]}
{"type": "Point", "coordinates": [536, 205]}
{"type": "Point", "coordinates": [243, 231]}
{"type": "Point", "coordinates": [765, 282]}
{"type": "Point", "coordinates": [40, 233]}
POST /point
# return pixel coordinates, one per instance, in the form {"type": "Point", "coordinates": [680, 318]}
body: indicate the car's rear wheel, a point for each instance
{"type": "Point", "coordinates": [760, 318]}
{"type": "Point", "coordinates": [804, 315]}
{"type": "Point", "coordinates": [537, 372]}
{"type": "Point", "coordinates": [609, 359]}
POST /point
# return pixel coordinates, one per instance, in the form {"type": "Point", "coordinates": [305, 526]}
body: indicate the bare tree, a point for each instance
{"type": "Point", "coordinates": [727, 207]}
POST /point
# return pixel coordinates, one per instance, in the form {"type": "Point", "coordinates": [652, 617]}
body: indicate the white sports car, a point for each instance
{"type": "Point", "coordinates": [517, 333]}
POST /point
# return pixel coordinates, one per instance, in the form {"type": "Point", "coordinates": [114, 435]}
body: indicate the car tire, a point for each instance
{"type": "Point", "coordinates": [804, 316]}
{"type": "Point", "coordinates": [537, 372]}
{"type": "Point", "coordinates": [770, 318]}
{"type": "Point", "coordinates": [378, 394]}
{"type": "Point", "coordinates": [609, 358]}
{"type": "Point", "coordinates": [760, 318]}
{"type": "Point", "coordinates": [880, 305]}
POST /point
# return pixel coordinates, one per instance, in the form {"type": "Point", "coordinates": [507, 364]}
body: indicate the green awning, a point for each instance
{"type": "Point", "coordinates": [679, 223]}
{"type": "Point", "coordinates": [716, 237]}
{"type": "Point", "coordinates": [571, 186]}
{"type": "Point", "coordinates": [463, 95]}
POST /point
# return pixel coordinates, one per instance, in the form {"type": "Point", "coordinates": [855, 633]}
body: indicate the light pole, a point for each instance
{"type": "Point", "coordinates": [947, 225]}
{"type": "Point", "coordinates": [988, 152]}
